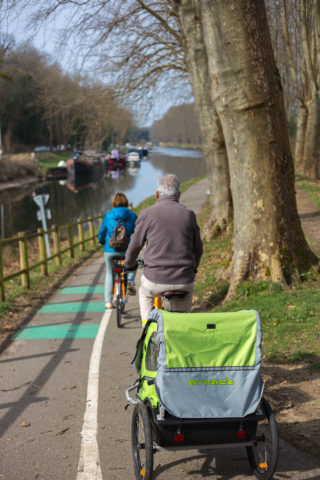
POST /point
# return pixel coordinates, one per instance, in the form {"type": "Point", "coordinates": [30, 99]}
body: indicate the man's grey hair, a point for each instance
{"type": "Point", "coordinates": [168, 186]}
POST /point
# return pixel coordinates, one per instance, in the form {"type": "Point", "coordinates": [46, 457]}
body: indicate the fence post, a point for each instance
{"type": "Point", "coordinates": [56, 244]}
{"type": "Point", "coordinates": [70, 237]}
{"type": "Point", "coordinates": [91, 231]}
{"type": "Point", "coordinates": [80, 235]}
{"type": "Point", "coordinates": [43, 253]}
{"type": "Point", "coordinates": [1, 275]}
{"type": "Point", "coordinates": [23, 250]}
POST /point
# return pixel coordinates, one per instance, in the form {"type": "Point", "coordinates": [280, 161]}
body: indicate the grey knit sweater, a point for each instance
{"type": "Point", "coordinates": [173, 244]}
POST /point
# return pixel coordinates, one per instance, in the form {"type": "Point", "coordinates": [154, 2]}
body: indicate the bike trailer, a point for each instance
{"type": "Point", "coordinates": [201, 365]}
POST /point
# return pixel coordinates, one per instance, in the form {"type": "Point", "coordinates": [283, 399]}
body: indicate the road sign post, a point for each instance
{"type": "Point", "coordinates": [42, 215]}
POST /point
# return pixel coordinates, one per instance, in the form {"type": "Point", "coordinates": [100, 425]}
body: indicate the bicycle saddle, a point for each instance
{"type": "Point", "coordinates": [174, 293]}
{"type": "Point", "coordinates": [118, 258]}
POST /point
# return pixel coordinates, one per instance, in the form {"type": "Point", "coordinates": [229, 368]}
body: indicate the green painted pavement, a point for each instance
{"type": "Point", "coordinates": [42, 332]}
{"type": "Point", "coordinates": [73, 307]}
{"type": "Point", "coordinates": [81, 290]}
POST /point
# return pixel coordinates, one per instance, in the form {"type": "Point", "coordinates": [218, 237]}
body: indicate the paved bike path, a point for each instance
{"type": "Point", "coordinates": [44, 380]}
{"type": "Point", "coordinates": [45, 396]}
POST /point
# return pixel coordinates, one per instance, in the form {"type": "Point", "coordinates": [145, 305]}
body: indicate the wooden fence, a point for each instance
{"type": "Point", "coordinates": [63, 241]}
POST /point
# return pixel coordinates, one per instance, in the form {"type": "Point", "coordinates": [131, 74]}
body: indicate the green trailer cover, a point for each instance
{"type": "Point", "coordinates": [208, 364]}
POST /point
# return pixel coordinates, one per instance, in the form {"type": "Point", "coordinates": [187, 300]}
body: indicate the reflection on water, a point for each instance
{"type": "Point", "coordinates": [19, 208]}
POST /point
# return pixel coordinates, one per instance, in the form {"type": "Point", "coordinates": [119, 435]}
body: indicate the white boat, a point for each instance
{"type": "Point", "coordinates": [133, 158]}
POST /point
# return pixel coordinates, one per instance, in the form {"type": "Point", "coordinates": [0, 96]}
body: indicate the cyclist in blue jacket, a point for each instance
{"type": "Point", "coordinates": [119, 211]}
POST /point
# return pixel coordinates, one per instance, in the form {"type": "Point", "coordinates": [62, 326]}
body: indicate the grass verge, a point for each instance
{"type": "Point", "coordinates": [312, 189]}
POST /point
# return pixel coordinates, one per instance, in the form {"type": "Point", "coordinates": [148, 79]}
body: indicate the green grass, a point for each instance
{"type": "Point", "coordinates": [312, 189]}
{"type": "Point", "coordinates": [290, 318]}
{"type": "Point", "coordinates": [186, 185]}
{"type": "Point", "coordinates": [51, 160]}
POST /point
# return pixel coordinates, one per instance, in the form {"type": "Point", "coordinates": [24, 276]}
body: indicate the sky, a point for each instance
{"type": "Point", "coordinates": [45, 39]}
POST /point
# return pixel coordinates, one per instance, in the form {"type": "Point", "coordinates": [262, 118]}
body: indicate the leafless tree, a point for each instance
{"type": "Point", "coordinates": [142, 45]}
{"type": "Point", "coordinates": [179, 125]}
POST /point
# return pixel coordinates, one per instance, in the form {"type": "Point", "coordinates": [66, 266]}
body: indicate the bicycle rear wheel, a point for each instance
{"type": "Point", "coordinates": [118, 305]}
{"type": "Point", "coordinates": [124, 292]}
{"type": "Point", "coordinates": [263, 457]}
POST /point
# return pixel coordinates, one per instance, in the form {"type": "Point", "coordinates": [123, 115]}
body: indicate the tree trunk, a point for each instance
{"type": "Point", "coordinates": [7, 137]}
{"type": "Point", "coordinates": [268, 239]}
{"type": "Point", "coordinates": [214, 149]}
{"type": "Point", "coordinates": [310, 154]}
{"type": "Point", "coordinates": [219, 178]}
{"type": "Point", "coordinates": [300, 137]}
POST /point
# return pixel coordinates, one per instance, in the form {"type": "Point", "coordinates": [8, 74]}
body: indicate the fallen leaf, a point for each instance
{"type": "Point", "coordinates": [62, 431]}
{"type": "Point", "coordinates": [25, 424]}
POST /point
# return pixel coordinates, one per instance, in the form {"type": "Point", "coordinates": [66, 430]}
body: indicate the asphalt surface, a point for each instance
{"type": "Point", "coordinates": [62, 395]}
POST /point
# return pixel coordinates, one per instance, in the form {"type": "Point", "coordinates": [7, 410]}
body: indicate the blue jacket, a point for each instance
{"type": "Point", "coordinates": [110, 222]}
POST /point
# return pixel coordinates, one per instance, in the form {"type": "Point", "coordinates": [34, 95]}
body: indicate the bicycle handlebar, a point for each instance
{"type": "Point", "coordinates": [139, 264]}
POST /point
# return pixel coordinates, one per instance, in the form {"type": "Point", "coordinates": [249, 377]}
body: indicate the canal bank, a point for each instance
{"type": "Point", "coordinates": [67, 204]}
{"type": "Point", "coordinates": [18, 183]}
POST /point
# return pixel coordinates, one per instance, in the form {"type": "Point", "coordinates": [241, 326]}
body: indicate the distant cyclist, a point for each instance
{"type": "Point", "coordinates": [119, 211]}
{"type": "Point", "coordinates": [173, 247]}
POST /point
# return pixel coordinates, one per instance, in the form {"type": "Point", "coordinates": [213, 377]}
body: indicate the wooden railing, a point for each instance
{"type": "Point", "coordinates": [62, 241]}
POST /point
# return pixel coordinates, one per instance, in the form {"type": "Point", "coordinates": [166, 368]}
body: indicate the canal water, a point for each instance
{"type": "Point", "coordinates": [18, 211]}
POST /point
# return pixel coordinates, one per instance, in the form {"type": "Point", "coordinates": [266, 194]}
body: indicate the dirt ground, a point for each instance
{"type": "Point", "coordinates": [293, 390]}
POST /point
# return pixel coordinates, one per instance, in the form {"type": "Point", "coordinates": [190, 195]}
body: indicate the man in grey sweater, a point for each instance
{"type": "Point", "coordinates": [173, 247]}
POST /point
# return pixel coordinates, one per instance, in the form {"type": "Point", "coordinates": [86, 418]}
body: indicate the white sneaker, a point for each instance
{"type": "Point", "coordinates": [109, 305]}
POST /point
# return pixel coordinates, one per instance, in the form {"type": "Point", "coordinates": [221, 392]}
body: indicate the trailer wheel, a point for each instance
{"type": "Point", "coordinates": [263, 456]}
{"type": "Point", "coordinates": [142, 445]}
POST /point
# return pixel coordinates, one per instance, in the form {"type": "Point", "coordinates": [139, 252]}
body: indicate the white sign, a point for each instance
{"type": "Point", "coordinates": [41, 199]}
{"type": "Point", "coordinates": [47, 214]}
{"type": "Point", "coordinates": [42, 215]}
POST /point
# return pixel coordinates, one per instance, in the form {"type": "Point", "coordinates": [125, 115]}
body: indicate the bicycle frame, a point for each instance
{"type": "Point", "coordinates": [157, 302]}
{"type": "Point", "coordinates": [119, 280]}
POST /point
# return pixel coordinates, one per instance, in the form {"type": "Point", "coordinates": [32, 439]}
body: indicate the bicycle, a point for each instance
{"type": "Point", "coordinates": [120, 294]}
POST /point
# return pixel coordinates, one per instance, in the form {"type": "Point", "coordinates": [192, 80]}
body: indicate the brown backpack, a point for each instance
{"type": "Point", "coordinates": [119, 239]}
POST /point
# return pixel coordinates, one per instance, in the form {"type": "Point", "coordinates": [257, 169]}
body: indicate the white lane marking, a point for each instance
{"type": "Point", "coordinates": [89, 463]}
